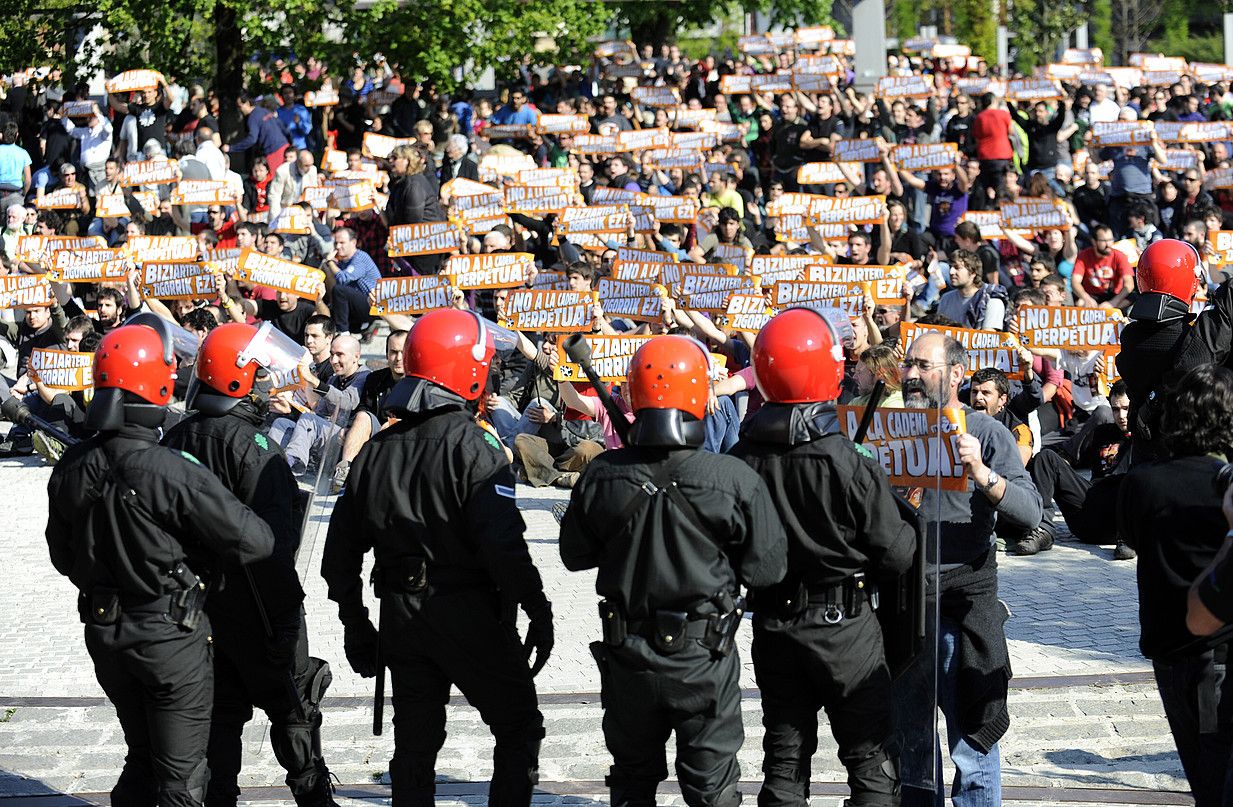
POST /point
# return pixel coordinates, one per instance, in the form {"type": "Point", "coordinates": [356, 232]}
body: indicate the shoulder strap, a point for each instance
{"type": "Point", "coordinates": [664, 482]}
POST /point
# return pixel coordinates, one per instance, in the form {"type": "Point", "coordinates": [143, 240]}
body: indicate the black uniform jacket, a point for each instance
{"type": "Point", "coordinates": [434, 486]}
{"type": "Point", "coordinates": [178, 511]}
{"type": "Point", "coordinates": [665, 557]}
{"type": "Point", "coordinates": [256, 471]}
{"type": "Point", "coordinates": [836, 504]}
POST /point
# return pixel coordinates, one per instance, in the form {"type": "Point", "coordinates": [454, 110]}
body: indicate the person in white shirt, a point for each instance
{"type": "Point", "coordinates": [1103, 109]}
{"type": "Point", "coordinates": [289, 181]}
{"type": "Point", "coordinates": [210, 154]}
{"type": "Point", "coordinates": [95, 137]}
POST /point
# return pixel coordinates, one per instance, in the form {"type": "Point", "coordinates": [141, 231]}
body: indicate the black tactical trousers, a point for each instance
{"type": "Point", "coordinates": [159, 678]}
{"type": "Point", "coordinates": [804, 664]}
{"type": "Point", "coordinates": [429, 643]}
{"type": "Point", "coordinates": [646, 696]}
{"type": "Point", "coordinates": [249, 672]}
{"type": "Point", "coordinates": [1088, 507]}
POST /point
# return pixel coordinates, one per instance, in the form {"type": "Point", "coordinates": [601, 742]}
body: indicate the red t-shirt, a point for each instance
{"type": "Point", "coordinates": [992, 132]}
{"type": "Point", "coordinates": [1102, 275]}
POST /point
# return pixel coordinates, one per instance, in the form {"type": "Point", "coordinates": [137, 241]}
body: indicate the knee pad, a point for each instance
{"type": "Point", "coordinates": [317, 681]}
{"type": "Point", "coordinates": [190, 791]}
{"type": "Point", "coordinates": [874, 782]}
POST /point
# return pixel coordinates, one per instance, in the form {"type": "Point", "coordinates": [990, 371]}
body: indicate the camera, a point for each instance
{"type": "Point", "coordinates": [1223, 478]}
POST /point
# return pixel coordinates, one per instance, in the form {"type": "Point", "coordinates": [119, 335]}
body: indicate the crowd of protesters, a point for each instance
{"type": "Point", "coordinates": [1070, 419]}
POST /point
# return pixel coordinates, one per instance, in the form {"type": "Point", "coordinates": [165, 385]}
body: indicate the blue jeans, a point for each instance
{"type": "Point", "coordinates": [508, 422]}
{"type": "Point", "coordinates": [978, 777]}
{"type": "Point", "coordinates": [723, 427]}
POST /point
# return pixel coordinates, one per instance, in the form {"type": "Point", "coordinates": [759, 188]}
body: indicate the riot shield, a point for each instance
{"type": "Point", "coordinates": [915, 686]}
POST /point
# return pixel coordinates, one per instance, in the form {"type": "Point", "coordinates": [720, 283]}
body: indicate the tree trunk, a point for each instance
{"type": "Point", "coordinates": [229, 69]}
{"type": "Point", "coordinates": [653, 24]}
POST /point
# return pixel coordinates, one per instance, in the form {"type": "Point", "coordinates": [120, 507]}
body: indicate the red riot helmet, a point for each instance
{"type": "Point", "coordinates": [222, 375]}
{"type": "Point", "coordinates": [1169, 267]}
{"type": "Point", "coordinates": [798, 358]}
{"type": "Point", "coordinates": [453, 349]}
{"type": "Point", "coordinates": [670, 372]}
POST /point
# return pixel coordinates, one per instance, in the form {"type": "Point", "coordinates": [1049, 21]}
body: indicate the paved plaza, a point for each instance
{"type": "Point", "coordinates": [1087, 723]}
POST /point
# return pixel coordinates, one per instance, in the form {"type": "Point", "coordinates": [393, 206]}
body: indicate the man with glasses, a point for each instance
{"type": "Point", "coordinates": [972, 663]}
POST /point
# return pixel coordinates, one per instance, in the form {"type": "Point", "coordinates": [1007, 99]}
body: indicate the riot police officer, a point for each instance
{"type": "Point", "coordinates": [260, 641]}
{"type": "Point", "coordinates": [132, 524]}
{"type": "Point", "coordinates": [433, 497]}
{"type": "Point", "coordinates": [673, 531]}
{"type": "Point", "coordinates": [816, 638]}
{"type": "Point", "coordinates": [1164, 340]}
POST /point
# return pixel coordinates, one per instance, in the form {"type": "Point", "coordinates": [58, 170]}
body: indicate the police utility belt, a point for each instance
{"type": "Point", "coordinates": [414, 575]}
{"type": "Point", "coordinates": [838, 602]}
{"type": "Point", "coordinates": [672, 631]}
{"type": "Point", "coordinates": [104, 605]}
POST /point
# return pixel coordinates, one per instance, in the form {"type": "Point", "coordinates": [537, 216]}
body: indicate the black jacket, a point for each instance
{"type": "Point", "coordinates": [439, 487]}
{"type": "Point", "coordinates": [835, 504]}
{"type": "Point", "coordinates": [661, 558]}
{"type": "Point", "coordinates": [256, 471]}
{"type": "Point", "coordinates": [180, 513]}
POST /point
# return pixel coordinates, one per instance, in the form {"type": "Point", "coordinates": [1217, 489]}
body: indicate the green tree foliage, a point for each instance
{"type": "Point", "coordinates": [657, 21]}
{"type": "Point", "coordinates": [1039, 26]}
{"type": "Point", "coordinates": [1100, 31]}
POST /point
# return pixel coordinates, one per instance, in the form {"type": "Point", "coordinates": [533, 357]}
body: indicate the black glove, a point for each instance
{"type": "Point", "coordinates": [361, 643]}
{"type": "Point", "coordinates": [539, 636]}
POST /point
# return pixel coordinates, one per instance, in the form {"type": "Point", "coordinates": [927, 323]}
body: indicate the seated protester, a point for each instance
{"type": "Point", "coordinates": [289, 313]}
{"type": "Point", "coordinates": [1055, 289]}
{"type": "Point", "coordinates": [66, 409]}
{"type": "Point", "coordinates": [968, 237]}
{"type": "Point", "coordinates": [1142, 230]}
{"type": "Point", "coordinates": [319, 333]}
{"type": "Point", "coordinates": [350, 276]}
{"type": "Point", "coordinates": [989, 392]}
{"type": "Point", "coordinates": [314, 248]}
{"type": "Point", "coordinates": [40, 326]}
{"type": "Point", "coordinates": [552, 443]}
{"type": "Point", "coordinates": [1089, 506]}
{"type": "Point", "coordinates": [109, 303]}
{"type": "Point", "coordinates": [726, 232]}
{"type": "Point", "coordinates": [39, 398]}
{"type": "Point", "coordinates": [971, 302]}
{"type": "Point", "coordinates": [332, 401]}
{"type": "Point", "coordinates": [371, 415]}
{"type": "Point", "coordinates": [1102, 275]}
{"type": "Point", "coordinates": [878, 363]}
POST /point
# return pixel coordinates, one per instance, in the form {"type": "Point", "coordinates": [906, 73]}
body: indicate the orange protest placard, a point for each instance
{"type": "Point", "coordinates": [501, 270]}
{"type": "Point", "coordinates": [411, 295]}
{"type": "Point", "coordinates": [25, 291]}
{"type": "Point", "coordinates": [178, 280]}
{"type": "Point", "coordinates": [202, 192]}
{"type": "Point", "coordinates": [144, 248]}
{"type": "Point", "coordinates": [428, 238]}
{"type": "Point", "coordinates": [925, 157]}
{"type": "Point", "coordinates": [846, 297]}
{"type": "Point", "coordinates": [380, 146]}
{"type": "Point", "coordinates": [885, 282]}
{"type": "Point", "coordinates": [633, 299]}
{"type": "Point", "coordinates": [563, 124]}
{"type": "Point", "coordinates": [65, 370]}
{"type": "Point", "coordinates": [610, 356]}
{"type": "Point", "coordinates": [88, 266]}
{"type": "Point", "coordinates": [150, 172]}
{"type": "Point", "coordinates": [748, 312]}
{"type": "Point", "coordinates": [134, 80]}
{"type": "Point", "coordinates": [294, 278]}
{"type": "Point", "coordinates": [1070, 327]}
{"type": "Point", "coordinates": [59, 199]}
{"type": "Point", "coordinates": [1221, 242]}
{"type": "Point", "coordinates": [37, 248]}
{"type": "Point", "coordinates": [997, 349]}
{"type": "Point", "coordinates": [549, 311]}
{"type": "Point", "coordinates": [915, 447]}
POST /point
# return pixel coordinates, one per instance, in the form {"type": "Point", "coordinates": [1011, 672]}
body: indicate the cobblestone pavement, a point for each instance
{"type": "Point", "coordinates": [1084, 711]}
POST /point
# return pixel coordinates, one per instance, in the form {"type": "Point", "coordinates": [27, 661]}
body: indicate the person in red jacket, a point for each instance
{"type": "Point", "coordinates": [991, 130]}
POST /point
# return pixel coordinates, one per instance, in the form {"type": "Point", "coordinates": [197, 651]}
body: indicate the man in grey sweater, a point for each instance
{"type": "Point", "coordinates": [972, 668]}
